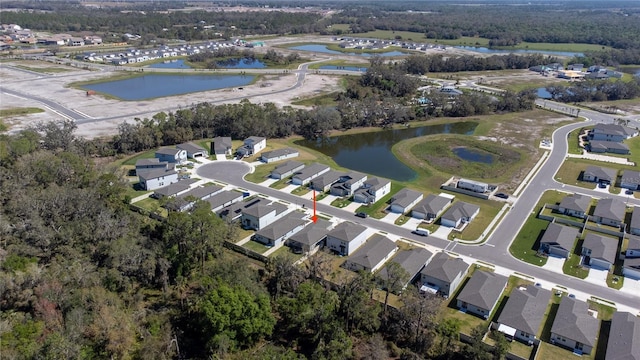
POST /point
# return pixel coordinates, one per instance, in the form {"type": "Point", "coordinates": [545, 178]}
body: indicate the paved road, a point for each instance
{"type": "Point", "coordinates": [54, 106]}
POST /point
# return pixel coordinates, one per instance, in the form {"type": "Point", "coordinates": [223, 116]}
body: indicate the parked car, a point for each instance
{"type": "Point", "coordinates": [502, 196]}
{"type": "Point", "coordinates": [602, 185]}
{"type": "Point", "coordinates": [629, 192]}
{"type": "Point", "coordinates": [421, 232]}
{"type": "Point", "coordinates": [363, 215]}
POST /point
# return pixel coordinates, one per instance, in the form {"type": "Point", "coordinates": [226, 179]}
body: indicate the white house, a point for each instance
{"type": "Point", "coordinates": [193, 150]}
{"type": "Point", "coordinates": [275, 233]}
{"type": "Point", "coordinates": [324, 182]}
{"type": "Point", "coordinates": [481, 293]}
{"type": "Point", "coordinates": [279, 154]}
{"type": "Point", "coordinates": [370, 256]}
{"type": "Point", "coordinates": [372, 190]}
{"type": "Point", "coordinates": [145, 164]}
{"type": "Point", "coordinates": [252, 145]}
{"type": "Point", "coordinates": [630, 180]}
{"type": "Point", "coordinates": [631, 268]}
{"type": "Point", "coordinates": [459, 213]}
{"type": "Point", "coordinates": [304, 176]}
{"type": "Point", "coordinates": [257, 217]}
{"type": "Point", "coordinates": [443, 274]}
{"type": "Point", "coordinates": [472, 185]}
{"type": "Point", "coordinates": [404, 200]}
{"type": "Point", "coordinates": [151, 179]}
{"type": "Point", "coordinates": [612, 132]}
{"type": "Point", "coordinates": [169, 155]}
{"type": "Point", "coordinates": [346, 237]}
{"type": "Point", "coordinates": [286, 169]}
{"type": "Point", "coordinates": [348, 184]}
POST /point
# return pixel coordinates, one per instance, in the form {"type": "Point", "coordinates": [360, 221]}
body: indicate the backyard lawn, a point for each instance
{"type": "Point", "coordinates": [572, 265]}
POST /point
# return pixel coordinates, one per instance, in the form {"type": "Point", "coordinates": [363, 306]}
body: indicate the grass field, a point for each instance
{"type": "Point", "coordinates": [338, 63]}
{"type": "Point", "coordinates": [319, 100]}
{"type": "Point", "coordinates": [526, 243]}
{"type": "Point", "coordinates": [46, 70]}
{"type": "Point", "coordinates": [6, 113]}
{"type": "Point", "coordinates": [572, 264]}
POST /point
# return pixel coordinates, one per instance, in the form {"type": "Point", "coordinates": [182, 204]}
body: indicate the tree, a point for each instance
{"type": "Point", "coordinates": [449, 332]}
{"type": "Point", "coordinates": [359, 311]}
{"type": "Point", "coordinates": [393, 279]}
{"type": "Point", "coordinates": [283, 276]}
{"type": "Point", "coordinates": [234, 315]}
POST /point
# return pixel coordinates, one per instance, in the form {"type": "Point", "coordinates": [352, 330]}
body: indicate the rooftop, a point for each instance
{"type": "Point", "coordinates": [444, 267]}
{"type": "Point", "coordinates": [372, 252]}
{"type": "Point", "coordinates": [483, 289]}
{"type": "Point", "coordinates": [574, 322]}
{"type": "Point", "coordinates": [525, 309]}
{"type": "Point", "coordinates": [347, 231]}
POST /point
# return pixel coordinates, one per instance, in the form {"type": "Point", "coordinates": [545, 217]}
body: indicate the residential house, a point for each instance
{"type": "Point", "coordinates": [471, 185]}
{"type": "Point", "coordinates": [623, 341]}
{"type": "Point", "coordinates": [630, 179]}
{"type": "Point", "coordinates": [575, 205]}
{"type": "Point", "coordinates": [610, 212]}
{"type": "Point", "coordinates": [145, 164]}
{"type": "Point", "coordinates": [600, 250]}
{"type": "Point", "coordinates": [259, 216]}
{"type": "Point", "coordinates": [346, 238]}
{"type": "Point", "coordinates": [412, 261]}
{"type": "Point", "coordinates": [450, 90]}
{"type": "Point", "coordinates": [185, 201]}
{"type": "Point", "coordinates": [372, 190]}
{"type": "Point", "coordinates": [458, 214]}
{"type": "Point", "coordinates": [275, 233]}
{"type": "Point", "coordinates": [404, 200]}
{"type": "Point", "coordinates": [174, 156]}
{"type": "Point", "coordinates": [598, 146]}
{"type": "Point", "coordinates": [612, 132]}
{"type": "Point", "coordinates": [443, 274]}
{"type": "Point", "coordinates": [286, 169]}
{"type": "Point", "coordinates": [221, 146]}
{"type": "Point", "coordinates": [152, 179]}
{"type": "Point", "coordinates": [173, 189]}
{"type": "Point", "coordinates": [481, 293]}
{"type": "Point", "coordinates": [279, 154]}
{"type": "Point", "coordinates": [193, 150]}
{"type": "Point", "coordinates": [631, 268]}
{"type": "Point", "coordinates": [370, 256]}
{"type": "Point", "coordinates": [348, 184]}
{"type": "Point", "coordinates": [633, 247]}
{"type": "Point", "coordinates": [235, 210]}
{"type": "Point", "coordinates": [573, 327]}
{"type": "Point", "coordinates": [252, 145]}
{"type": "Point", "coordinates": [431, 207]}
{"type": "Point", "coordinates": [223, 199]}
{"type": "Point", "coordinates": [323, 182]}
{"type": "Point", "coordinates": [600, 175]}
{"type": "Point", "coordinates": [311, 238]}
{"type": "Point", "coordinates": [558, 240]}
{"type": "Point", "coordinates": [304, 176]}
{"type": "Point", "coordinates": [522, 315]}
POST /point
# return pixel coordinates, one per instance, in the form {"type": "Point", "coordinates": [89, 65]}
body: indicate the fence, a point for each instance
{"type": "Point", "coordinates": [250, 253]}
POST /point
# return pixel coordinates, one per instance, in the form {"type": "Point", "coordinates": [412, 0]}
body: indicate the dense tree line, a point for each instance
{"type": "Point", "coordinates": [214, 58]}
{"type": "Point", "coordinates": [423, 64]}
{"type": "Point", "coordinates": [608, 58]}
{"type": "Point", "coordinates": [596, 90]}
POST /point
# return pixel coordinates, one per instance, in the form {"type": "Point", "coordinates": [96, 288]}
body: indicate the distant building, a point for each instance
{"type": "Point", "coordinates": [471, 185]}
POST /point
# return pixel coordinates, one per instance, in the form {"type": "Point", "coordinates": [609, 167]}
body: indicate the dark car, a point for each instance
{"type": "Point", "coordinates": [363, 215]}
{"type": "Point", "coordinates": [502, 196]}
{"type": "Point", "coordinates": [629, 192]}
{"type": "Point", "coordinates": [602, 185]}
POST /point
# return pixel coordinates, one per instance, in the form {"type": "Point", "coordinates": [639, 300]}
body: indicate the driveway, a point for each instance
{"type": "Point", "coordinates": [412, 223]}
{"type": "Point", "coordinates": [442, 232]}
{"type": "Point", "coordinates": [631, 286]}
{"type": "Point", "coordinates": [391, 218]}
{"type": "Point", "coordinates": [289, 188]}
{"type": "Point", "coordinates": [268, 182]}
{"type": "Point", "coordinates": [554, 264]}
{"type": "Point", "coordinates": [597, 276]}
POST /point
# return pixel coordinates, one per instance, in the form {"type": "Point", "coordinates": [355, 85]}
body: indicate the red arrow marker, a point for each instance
{"type": "Point", "coordinates": [314, 217]}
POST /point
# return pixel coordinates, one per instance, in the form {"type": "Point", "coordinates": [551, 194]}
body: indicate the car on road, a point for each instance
{"type": "Point", "coordinates": [502, 196]}
{"type": "Point", "coordinates": [421, 232]}
{"type": "Point", "coordinates": [363, 215]}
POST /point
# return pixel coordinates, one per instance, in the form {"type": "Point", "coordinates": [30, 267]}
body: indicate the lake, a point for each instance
{"type": "Point", "coordinates": [323, 49]}
{"type": "Point", "coordinates": [473, 155]}
{"type": "Point", "coordinates": [171, 64]}
{"type": "Point", "coordinates": [371, 152]}
{"type": "Point", "coordinates": [543, 93]}
{"type": "Point", "coordinates": [485, 50]}
{"type": "Point", "coordinates": [241, 63]}
{"type": "Point", "coordinates": [160, 85]}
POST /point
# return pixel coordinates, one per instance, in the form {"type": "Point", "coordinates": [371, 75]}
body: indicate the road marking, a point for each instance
{"type": "Point", "coordinates": [487, 244]}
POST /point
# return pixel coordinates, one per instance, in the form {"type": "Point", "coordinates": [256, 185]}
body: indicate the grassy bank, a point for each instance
{"type": "Point", "coordinates": [338, 63]}
{"type": "Point", "coordinates": [6, 113]}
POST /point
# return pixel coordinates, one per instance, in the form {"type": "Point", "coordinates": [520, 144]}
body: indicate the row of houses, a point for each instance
{"type": "Point", "coordinates": [577, 71]}
{"type": "Point", "coordinates": [629, 179]}
{"type": "Point", "coordinates": [134, 55]}
{"type": "Point", "coordinates": [377, 44]}
{"type": "Point", "coordinates": [608, 138]}
{"type": "Point", "coordinates": [161, 171]}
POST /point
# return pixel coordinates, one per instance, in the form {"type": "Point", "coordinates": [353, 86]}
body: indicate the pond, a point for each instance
{"type": "Point", "coordinates": [349, 68]}
{"type": "Point", "coordinates": [543, 93]}
{"type": "Point", "coordinates": [171, 64]}
{"type": "Point", "coordinates": [156, 85]}
{"type": "Point", "coordinates": [241, 63]}
{"type": "Point", "coordinates": [323, 49]}
{"type": "Point", "coordinates": [371, 152]}
{"type": "Point", "coordinates": [485, 50]}
{"type": "Point", "coordinates": [473, 155]}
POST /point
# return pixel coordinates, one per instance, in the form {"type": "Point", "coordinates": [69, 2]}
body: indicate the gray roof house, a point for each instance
{"type": "Point", "coordinates": [412, 261]}
{"type": "Point", "coordinates": [623, 338]}
{"type": "Point", "coordinates": [558, 240]}
{"type": "Point", "coordinates": [170, 187]}
{"type": "Point", "coordinates": [311, 238]}
{"type": "Point", "coordinates": [481, 293]}
{"type": "Point", "coordinates": [573, 327]}
{"type": "Point", "coordinates": [600, 175]}
{"type": "Point", "coordinates": [221, 145]}
{"type": "Point", "coordinates": [431, 207]}
{"type": "Point", "coordinates": [286, 169]}
{"type": "Point", "coordinates": [459, 213]}
{"type": "Point", "coordinates": [443, 274]}
{"type": "Point", "coordinates": [224, 198]}
{"type": "Point", "coordinates": [610, 212]}
{"type": "Point", "coordinates": [234, 210]}
{"type": "Point", "coordinates": [260, 216]}
{"type": "Point", "coordinates": [630, 179]}
{"type": "Point", "coordinates": [275, 233]}
{"type": "Point", "coordinates": [186, 200]}
{"type": "Point", "coordinates": [633, 247]}
{"type": "Point", "coordinates": [370, 256]}
{"type": "Point", "coordinates": [575, 205]}
{"type": "Point", "coordinates": [634, 224]}
{"type": "Point", "coordinates": [631, 268]}
{"type": "Point", "coordinates": [323, 182]}
{"type": "Point", "coordinates": [372, 190]}
{"type": "Point", "coordinates": [597, 146]}
{"type": "Point", "coordinates": [601, 250]}
{"type": "Point", "coordinates": [304, 176]}
{"type": "Point", "coordinates": [171, 155]}
{"type": "Point", "coordinates": [346, 237]}
{"type": "Point", "coordinates": [279, 154]}
{"type": "Point", "coordinates": [348, 183]}
{"type": "Point", "coordinates": [523, 313]}
{"type": "Point", "coordinates": [404, 200]}
{"type": "Point", "coordinates": [612, 132]}
{"type": "Point", "coordinates": [154, 163]}
{"type": "Point", "coordinates": [193, 150]}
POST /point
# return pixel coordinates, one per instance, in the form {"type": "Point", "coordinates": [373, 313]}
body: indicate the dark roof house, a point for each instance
{"type": "Point", "coordinates": [624, 343]}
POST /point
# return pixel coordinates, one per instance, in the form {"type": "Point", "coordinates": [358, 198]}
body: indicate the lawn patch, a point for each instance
{"type": "Point", "coordinates": [572, 265]}
{"type": "Point", "coordinates": [5, 113]}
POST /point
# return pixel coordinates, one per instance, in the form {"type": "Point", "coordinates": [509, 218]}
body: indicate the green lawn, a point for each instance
{"type": "Point", "coordinates": [5, 113]}
{"type": "Point", "coordinates": [319, 100]}
{"type": "Point", "coordinates": [45, 70]}
{"type": "Point", "coordinates": [301, 190]}
{"type": "Point", "coordinates": [153, 206]}
{"type": "Point", "coordinates": [150, 154]}
{"type": "Point", "coordinates": [572, 264]}
{"type": "Point", "coordinates": [280, 184]}
{"type": "Point", "coordinates": [525, 246]}
{"type": "Point", "coordinates": [574, 143]}
{"type": "Point", "coordinates": [256, 246]}
{"type": "Point", "coordinates": [605, 312]}
{"type": "Point", "coordinates": [572, 168]}
{"type": "Point", "coordinates": [341, 202]}
{"type": "Point", "coordinates": [377, 209]}
{"type": "Point", "coordinates": [261, 173]}
{"type": "Point", "coordinates": [552, 352]}
{"type": "Point", "coordinates": [286, 252]}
